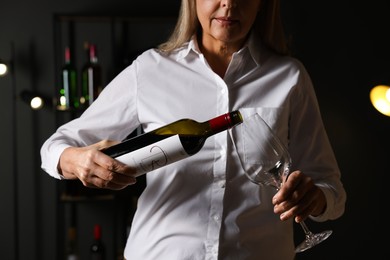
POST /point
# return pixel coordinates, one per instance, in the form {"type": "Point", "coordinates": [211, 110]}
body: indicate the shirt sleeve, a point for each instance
{"type": "Point", "coordinates": [311, 149]}
{"type": "Point", "coordinates": [111, 116]}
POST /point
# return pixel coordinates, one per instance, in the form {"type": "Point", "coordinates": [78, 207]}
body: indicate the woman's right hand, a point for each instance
{"type": "Point", "coordinates": [94, 168]}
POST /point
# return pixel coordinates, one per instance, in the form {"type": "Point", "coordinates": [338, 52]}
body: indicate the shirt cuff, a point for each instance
{"type": "Point", "coordinates": [52, 160]}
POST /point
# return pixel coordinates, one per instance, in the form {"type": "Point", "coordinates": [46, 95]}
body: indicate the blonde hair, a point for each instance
{"type": "Point", "coordinates": [268, 26]}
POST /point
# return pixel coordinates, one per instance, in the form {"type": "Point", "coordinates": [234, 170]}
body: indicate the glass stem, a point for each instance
{"type": "Point", "coordinates": [305, 228]}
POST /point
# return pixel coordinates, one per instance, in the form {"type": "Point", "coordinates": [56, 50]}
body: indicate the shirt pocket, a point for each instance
{"type": "Point", "coordinates": [276, 117]}
{"type": "Point", "coordinates": [271, 115]}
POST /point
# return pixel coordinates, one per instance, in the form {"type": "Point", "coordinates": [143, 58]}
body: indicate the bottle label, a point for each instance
{"type": "Point", "coordinates": [155, 156]}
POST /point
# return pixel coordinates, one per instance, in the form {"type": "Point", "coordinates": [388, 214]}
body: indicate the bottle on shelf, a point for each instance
{"type": "Point", "coordinates": [91, 81]}
{"type": "Point", "coordinates": [68, 94]}
{"type": "Point", "coordinates": [170, 143]}
{"type": "Point", "coordinates": [71, 245]}
{"type": "Point", "coordinates": [97, 250]}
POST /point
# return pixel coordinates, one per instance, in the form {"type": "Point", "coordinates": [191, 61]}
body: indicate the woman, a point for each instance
{"type": "Point", "coordinates": [223, 55]}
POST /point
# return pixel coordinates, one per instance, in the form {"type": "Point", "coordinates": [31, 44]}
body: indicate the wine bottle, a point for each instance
{"type": "Point", "coordinates": [97, 249]}
{"type": "Point", "coordinates": [170, 143]}
{"type": "Point", "coordinates": [68, 96]}
{"type": "Point", "coordinates": [71, 245]}
{"type": "Point", "coordinates": [91, 85]}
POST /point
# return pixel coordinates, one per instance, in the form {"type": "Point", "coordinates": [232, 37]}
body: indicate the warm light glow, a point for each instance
{"type": "Point", "coordinates": [36, 103]}
{"type": "Point", "coordinates": [35, 100]}
{"type": "Point", "coordinates": [3, 69]}
{"type": "Point", "coordinates": [380, 99]}
{"type": "Point", "coordinates": [63, 101]}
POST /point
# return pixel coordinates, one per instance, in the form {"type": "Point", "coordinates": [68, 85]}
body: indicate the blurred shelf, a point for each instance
{"type": "Point", "coordinates": [71, 198]}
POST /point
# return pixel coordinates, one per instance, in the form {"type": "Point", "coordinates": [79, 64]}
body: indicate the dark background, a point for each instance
{"type": "Point", "coordinates": [344, 47]}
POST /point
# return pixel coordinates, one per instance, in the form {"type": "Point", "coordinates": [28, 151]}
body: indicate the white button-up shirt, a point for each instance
{"type": "Point", "coordinates": [204, 207]}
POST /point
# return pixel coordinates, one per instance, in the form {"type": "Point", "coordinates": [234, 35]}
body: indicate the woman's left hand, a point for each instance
{"type": "Point", "coordinates": [299, 198]}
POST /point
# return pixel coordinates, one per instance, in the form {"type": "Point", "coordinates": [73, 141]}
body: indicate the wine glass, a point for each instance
{"type": "Point", "coordinates": [267, 162]}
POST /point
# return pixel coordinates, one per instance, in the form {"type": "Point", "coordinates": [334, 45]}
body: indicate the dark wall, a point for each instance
{"type": "Point", "coordinates": [343, 47]}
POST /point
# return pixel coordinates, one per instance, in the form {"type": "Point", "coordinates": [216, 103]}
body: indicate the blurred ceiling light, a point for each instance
{"type": "Point", "coordinates": [34, 99]}
{"type": "Point", "coordinates": [3, 68]}
{"type": "Point", "coordinates": [380, 99]}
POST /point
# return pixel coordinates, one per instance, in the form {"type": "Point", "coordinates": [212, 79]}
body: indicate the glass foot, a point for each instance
{"type": "Point", "coordinates": [312, 240]}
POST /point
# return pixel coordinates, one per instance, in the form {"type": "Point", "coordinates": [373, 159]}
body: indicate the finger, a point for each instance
{"type": "Point", "coordinates": [118, 179]}
{"type": "Point", "coordinates": [114, 174]}
{"type": "Point", "coordinates": [104, 184]}
{"type": "Point", "coordinates": [309, 204]}
{"type": "Point", "coordinates": [104, 144]}
{"type": "Point", "coordinates": [298, 198]}
{"type": "Point", "coordinates": [288, 187]}
{"type": "Point", "coordinates": [115, 182]}
{"type": "Point", "coordinates": [303, 215]}
{"type": "Point", "coordinates": [287, 214]}
{"type": "Point", "coordinates": [113, 165]}
{"type": "Point", "coordinates": [99, 170]}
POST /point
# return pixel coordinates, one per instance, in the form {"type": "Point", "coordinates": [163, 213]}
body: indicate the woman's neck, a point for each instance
{"type": "Point", "coordinates": [218, 53]}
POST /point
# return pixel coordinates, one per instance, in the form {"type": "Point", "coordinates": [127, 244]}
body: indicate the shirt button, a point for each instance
{"type": "Point", "coordinates": [216, 217]}
{"type": "Point", "coordinates": [222, 184]}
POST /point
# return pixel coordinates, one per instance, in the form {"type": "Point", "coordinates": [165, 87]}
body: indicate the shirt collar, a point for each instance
{"type": "Point", "coordinates": [256, 49]}
{"type": "Point", "coordinates": [192, 45]}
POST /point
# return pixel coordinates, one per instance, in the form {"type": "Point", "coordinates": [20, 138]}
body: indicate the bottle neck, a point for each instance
{"type": "Point", "coordinates": [67, 55]}
{"type": "Point", "coordinates": [92, 54]}
{"type": "Point", "coordinates": [97, 232]}
{"type": "Point", "coordinates": [225, 121]}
